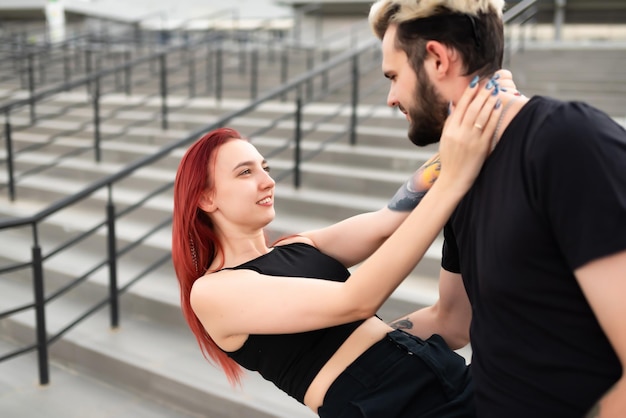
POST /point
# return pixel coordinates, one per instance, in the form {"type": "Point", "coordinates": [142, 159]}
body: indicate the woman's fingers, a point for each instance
{"type": "Point", "coordinates": [467, 134]}
{"type": "Point", "coordinates": [506, 82]}
{"type": "Point", "coordinates": [470, 92]}
{"type": "Point", "coordinates": [486, 96]}
{"type": "Point", "coordinates": [488, 118]}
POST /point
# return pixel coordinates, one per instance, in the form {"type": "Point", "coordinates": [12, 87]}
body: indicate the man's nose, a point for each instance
{"type": "Point", "coordinates": [391, 99]}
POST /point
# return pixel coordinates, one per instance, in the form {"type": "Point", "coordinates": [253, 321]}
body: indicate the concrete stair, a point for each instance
{"type": "Point", "coordinates": [151, 365]}
{"type": "Point", "coordinates": [153, 356]}
{"type": "Point", "coordinates": [574, 71]}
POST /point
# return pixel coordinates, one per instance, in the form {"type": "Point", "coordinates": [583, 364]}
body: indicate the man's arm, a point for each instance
{"type": "Point", "coordinates": [449, 317]}
{"type": "Point", "coordinates": [603, 283]}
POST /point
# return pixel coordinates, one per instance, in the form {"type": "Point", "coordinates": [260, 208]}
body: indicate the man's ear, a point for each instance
{"type": "Point", "coordinates": [438, 60]}
{"type": "Point", "coordinates": [206, 202]}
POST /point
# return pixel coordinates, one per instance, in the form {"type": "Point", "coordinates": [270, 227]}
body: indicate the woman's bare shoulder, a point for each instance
{"type": "Point", "coordinates": [292, 239]}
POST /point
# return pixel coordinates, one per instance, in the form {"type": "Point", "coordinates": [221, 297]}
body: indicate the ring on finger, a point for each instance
{"type": "Point", "coordinates": [478, 126]}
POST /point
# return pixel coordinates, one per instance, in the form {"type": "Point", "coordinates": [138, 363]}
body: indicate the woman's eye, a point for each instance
{"type": "Point", "coordinates": [267, 168]}
{"type": "Point", "coordinates": [246, 171]}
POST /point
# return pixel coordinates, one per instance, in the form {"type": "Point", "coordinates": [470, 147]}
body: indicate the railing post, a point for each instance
{"type": "Point", "coordinates": [284, 69]}
{"type": "Point", "coordinates": [66, 64]}
{"type": "Point", "coordinates": [163, 67]}
{"type": "Point", "coordinates": [325, 57]}
{"type": "Point", "coordinates": [310, 59]}
{"type": "Point", "coordinates": [559, 18]}
{"type": "Point", "coordinates": [42, 63]}
{"type": "Point", "coordinates": [10, 169]}
{"type": "Point", "coordinates": [96, 119]}
{"type": "Point", "coordinates": [112, 255]}
{"type": "Point", "coordinates": [31, 87]}
{"type": "Point", "coordinates": [243, 46]}
{"type": "Point", "coordinates": [254, 73]}
{"type": "Point", "coordinates": [118, 73]}
{"type": "Point", "coordinates": [128, 72]}
{"type": "Point", "coordinates": [23, 69]}
{"type": "Point", "coordinates": [218, 72]}
{"type": "Point", "coordinates": [191, 62]}
{"type": "Point", "coordinates": [208, 69]}
{"type": "Point", "coordinates": [298, 139]}
{"type": "Point", "coordinates": [40, 314]}
{"type": "Point", "coordinates": [355, 98]}
{"type": "Point", "coordinates": [88, 67]}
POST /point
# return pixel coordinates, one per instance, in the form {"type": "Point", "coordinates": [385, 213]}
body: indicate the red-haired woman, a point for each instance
{"type": "Point", "coordinates": [292, 311]}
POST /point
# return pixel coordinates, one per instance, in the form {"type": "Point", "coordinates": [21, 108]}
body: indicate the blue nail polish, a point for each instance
{"type": "Point", "coordinates": [496, 77]}
{"type": "Point", "coordinates": [503, 89]}
{"type": "Point", "coordinates": [489, 84]}
{"type": "Point", "coordinates": [495, 91]}
{"type": "Point", "coordinates": [498, 104]}
{"type": "Point", "coordinates": [474, 82]}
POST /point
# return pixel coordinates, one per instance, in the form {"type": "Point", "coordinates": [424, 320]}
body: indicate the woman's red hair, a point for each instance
{"type": "Point", "coordinates": [194, 242]}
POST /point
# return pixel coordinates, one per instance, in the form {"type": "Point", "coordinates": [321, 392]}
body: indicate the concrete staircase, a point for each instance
{"type": "Point", "coordinates": [151, 366]}
{"type": "Point", "coordinates": [575, 71]}
{"type": "Point", "coordinates": [152, 355]}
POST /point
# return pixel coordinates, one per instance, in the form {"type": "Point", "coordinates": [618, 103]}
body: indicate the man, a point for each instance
{"type": "Point", "coordinates": [535, 254]}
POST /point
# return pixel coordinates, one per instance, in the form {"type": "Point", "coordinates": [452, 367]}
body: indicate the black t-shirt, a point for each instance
{"type": "Point", "coordinates": [550, 198]}
{"type": "Point", "coordinates": [291, 361]}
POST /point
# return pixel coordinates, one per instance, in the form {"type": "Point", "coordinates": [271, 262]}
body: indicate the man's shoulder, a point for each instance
{"type": "Point", "coordinates": [551, 110]}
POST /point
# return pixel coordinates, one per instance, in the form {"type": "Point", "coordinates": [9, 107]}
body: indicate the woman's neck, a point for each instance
{"type": "Point", "coordinates": [238, 248]}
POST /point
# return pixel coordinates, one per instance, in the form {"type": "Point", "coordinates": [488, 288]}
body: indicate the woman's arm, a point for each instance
{"type": "Point", "coordinates": [371, 229]}
{"type": "Point", "coordinates": [232, 303]}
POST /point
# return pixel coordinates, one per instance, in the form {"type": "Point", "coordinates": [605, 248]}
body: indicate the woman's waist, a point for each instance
{"type": "Point", "coordinates": [365, 336]}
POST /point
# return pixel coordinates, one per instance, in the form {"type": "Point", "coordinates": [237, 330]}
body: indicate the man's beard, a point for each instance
{"type": "Point", "coordinates": [428, 115]}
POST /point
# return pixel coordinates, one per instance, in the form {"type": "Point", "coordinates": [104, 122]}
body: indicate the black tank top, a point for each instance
{"type": "Point", "coordinates": [291, 361]}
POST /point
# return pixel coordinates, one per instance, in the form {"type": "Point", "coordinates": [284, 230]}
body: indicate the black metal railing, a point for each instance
{"type": "Point", "coordinates": [520, 18]}
{"type": "Point", "coordinates": [39, 251]}
{"type": "Point", "coordinates": [196, 67]}
{"type": "Point", "coordinates": [352, 62]}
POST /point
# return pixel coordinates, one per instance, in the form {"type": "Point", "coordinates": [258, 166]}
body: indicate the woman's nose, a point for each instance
{"type": "Point", "coordinates": [268, 181]}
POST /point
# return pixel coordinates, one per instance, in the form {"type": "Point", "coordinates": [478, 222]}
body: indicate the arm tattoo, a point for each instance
{"type": "Point", "coordinates": [411, 193]}
{"type": "Point", "coordinates": [402, 324]}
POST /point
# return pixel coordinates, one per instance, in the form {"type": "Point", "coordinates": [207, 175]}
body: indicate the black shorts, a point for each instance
{"type": "Point", "coordinates": [402, 376]}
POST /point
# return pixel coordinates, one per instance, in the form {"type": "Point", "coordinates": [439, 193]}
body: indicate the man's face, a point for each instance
{"type": "Point", "coordinates": [413, 93]}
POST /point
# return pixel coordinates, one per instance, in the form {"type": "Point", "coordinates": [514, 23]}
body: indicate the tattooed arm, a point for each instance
{"type": "Point", "coordinates": [411, 192]}
{"type": "Point", "coordinates": [449, 317]}
{"type": "Point", "coordinates": [371, 229]}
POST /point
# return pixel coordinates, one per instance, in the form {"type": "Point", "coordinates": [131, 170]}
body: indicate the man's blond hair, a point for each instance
{"type": "Point", "coordinates": [386, 12]}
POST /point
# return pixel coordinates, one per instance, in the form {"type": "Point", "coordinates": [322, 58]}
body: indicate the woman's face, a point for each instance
{"type": "Point", "coordinates": [243, 191]}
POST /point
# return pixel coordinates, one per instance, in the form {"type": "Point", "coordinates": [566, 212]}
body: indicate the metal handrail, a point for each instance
{"type": "Point", "coordinates": [44, 337]}
{"type": "Point", "coordinates": [521, 13]}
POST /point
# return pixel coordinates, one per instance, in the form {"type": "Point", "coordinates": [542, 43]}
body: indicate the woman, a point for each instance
{"type": "Point", "coordinates": [292, 311]}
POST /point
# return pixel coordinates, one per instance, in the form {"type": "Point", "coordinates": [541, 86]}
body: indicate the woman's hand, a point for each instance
{"type": "Point", "coordinates": [467, 134]}
{"type": "Point", "coordinates": [506, 83]}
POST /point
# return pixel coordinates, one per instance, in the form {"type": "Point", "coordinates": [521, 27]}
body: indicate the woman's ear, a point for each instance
{"type": "Point", "coordinates": [206, 202]}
